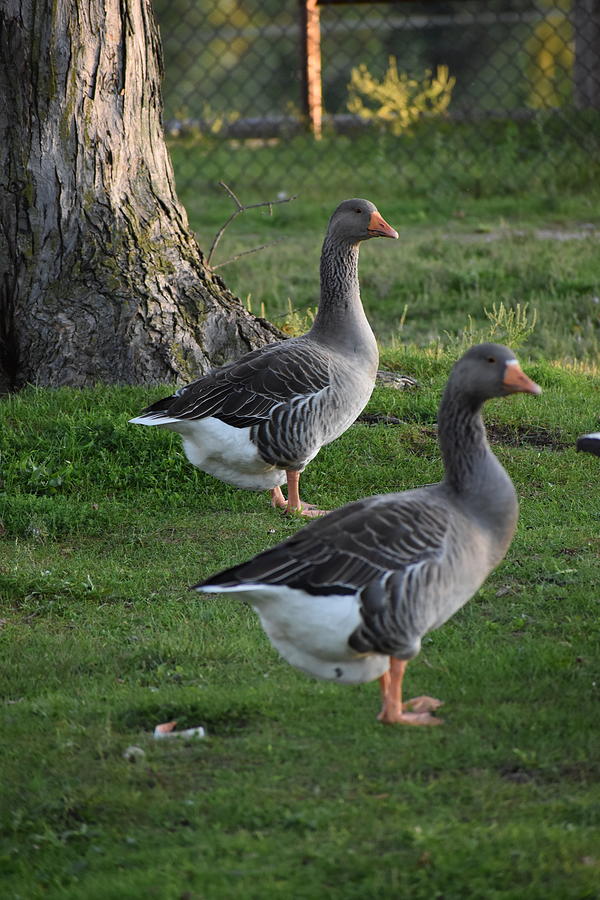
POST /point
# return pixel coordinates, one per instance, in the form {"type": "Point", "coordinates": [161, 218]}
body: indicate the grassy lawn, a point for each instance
{"type": "Point", "coordinates": [524, 234]}
{"type": "Point", "coordinates": [297, 791]}
{"type": "Point", "coordinates": [433, 279]}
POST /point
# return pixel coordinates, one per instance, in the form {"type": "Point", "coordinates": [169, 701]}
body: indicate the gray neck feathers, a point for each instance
{"type": "Point", "coordinates": [340, 318]}
{"type": "Point", "coordinates": [463, 441]}
{"type": "Point", "coordinates": [471, 470]}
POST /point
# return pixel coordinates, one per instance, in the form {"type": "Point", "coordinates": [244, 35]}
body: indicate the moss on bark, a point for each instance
{"type": "Point", "coordinates": [100, 276]}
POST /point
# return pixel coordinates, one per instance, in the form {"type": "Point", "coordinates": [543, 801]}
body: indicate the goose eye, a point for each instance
{"type": "Point", "coordinates": [357, 210]}
{"type": "Point", "coordinates": [491, 359]}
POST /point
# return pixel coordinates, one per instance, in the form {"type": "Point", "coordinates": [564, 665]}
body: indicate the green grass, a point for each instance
{"type": "Point", "coordinates": [297, 791]}
{"type": "Point", "coordinates": [469, 223]}
{"type": "Point", "coordinates": [430, 280]}
{"type": "Point", "coordinates": [542, 166]}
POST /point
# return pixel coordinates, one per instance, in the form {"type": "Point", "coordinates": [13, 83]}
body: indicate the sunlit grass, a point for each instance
{"type": "Point", "coordinates": [297, 791]}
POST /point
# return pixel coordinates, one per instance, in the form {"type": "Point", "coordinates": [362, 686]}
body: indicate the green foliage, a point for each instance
{"type": "Point", "coordinates": [296, 322]}
{"type": "Point", "coordinates": [209, 125]}
{"type": "Point", "coordinates": [398, 102]}
{"type": "Point", "coordinates": [505, 326]}
{"type": "Point", "coordinates": [37, 478]}
{"type": "Point", "coordinates": [540, 166]}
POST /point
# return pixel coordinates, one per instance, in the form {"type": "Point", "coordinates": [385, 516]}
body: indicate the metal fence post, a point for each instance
{"type": "Point", "coordinates": [586, 70]}
{"type": "Point", "coordinates": [312, 100]}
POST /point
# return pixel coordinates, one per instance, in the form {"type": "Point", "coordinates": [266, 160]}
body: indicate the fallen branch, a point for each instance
{"type": "Point", "coordinates": [240, 208]}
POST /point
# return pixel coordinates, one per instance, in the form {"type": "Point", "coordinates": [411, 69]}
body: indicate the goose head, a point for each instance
{"type": "Point", "coordinates": [358, 220]}
{"type": "Point", "coordinates": [490, 370]}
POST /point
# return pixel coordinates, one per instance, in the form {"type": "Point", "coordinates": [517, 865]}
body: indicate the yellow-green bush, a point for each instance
{"type": "Point", "coordinates": [399, 101]}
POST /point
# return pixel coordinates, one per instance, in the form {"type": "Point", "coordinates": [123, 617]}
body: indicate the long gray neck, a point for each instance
{"type": "Point", "coordinates": [341, 319]}
{"type": "Point", "coordinates": [471, 470]}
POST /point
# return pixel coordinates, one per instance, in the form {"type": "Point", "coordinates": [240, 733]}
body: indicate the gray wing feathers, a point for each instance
{"type": "Point", "coordinates": [294, 431]}
{"type": "Point", "coordinates": [387, 549]}
{"type": "Point", "coordinates": [245, 392]}
{"type": "Point", "coordinates": [396, 606]}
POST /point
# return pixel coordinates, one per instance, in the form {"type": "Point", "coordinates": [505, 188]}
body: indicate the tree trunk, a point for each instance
{"type": "Point", "coordinates": [100, 276]}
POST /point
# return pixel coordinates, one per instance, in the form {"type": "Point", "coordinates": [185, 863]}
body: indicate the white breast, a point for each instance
{"type": "Point", "coordinates": [311, 632]}
{"type": "Point", "coordinates": [225, 452]}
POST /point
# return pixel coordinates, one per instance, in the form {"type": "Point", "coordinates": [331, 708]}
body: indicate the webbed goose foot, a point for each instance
{"type": "Point", "coordinates": [278, 501]}
{"type": "Point", "coordinates": [422, 704]}
{"type": "Point", "coordinates": [390, 717]}
{"type": "Point", "coordinates": [413, 712]}
{"type": "Point", "coordinates": [294, 504]}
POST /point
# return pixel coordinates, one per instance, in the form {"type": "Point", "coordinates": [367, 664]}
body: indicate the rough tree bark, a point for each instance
{"type": "Point", "coordinates": [100, 276]}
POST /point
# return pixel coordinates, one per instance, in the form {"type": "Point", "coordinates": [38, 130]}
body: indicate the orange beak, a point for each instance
{"type": "Point", "coordinates": [516, 380]}
{"type": "Point", "coordinates": [378, 227]}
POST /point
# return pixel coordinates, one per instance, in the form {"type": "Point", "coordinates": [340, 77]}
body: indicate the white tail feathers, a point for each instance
{"type": "Point", "coordinates": [154, 419]}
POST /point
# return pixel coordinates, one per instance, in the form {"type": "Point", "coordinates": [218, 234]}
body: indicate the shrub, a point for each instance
{"type": "Point", "coordinates": [398, 101]}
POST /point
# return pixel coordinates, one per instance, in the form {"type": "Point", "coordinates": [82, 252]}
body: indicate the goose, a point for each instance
{"type": "Point", "coordinates": [350, 596]}
{"type": "Point", "coordinates": [257, 422]}
{"type": "Point", "coordinates": [590, 443]}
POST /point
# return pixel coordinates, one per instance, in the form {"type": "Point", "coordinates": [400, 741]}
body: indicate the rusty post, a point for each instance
{"type": "Point", "coordinates": [312, 100]}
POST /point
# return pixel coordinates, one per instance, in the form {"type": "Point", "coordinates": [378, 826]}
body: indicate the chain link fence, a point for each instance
{"type": "Point", "coordinates": [463, 94]}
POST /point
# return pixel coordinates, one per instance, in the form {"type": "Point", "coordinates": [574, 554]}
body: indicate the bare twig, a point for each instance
{"type": "Point", "coordinates": [240, 208]}
{"type": "Point", "coordinates": [245, 252]}
{"type": "Point", "coordinates": [239, 205]}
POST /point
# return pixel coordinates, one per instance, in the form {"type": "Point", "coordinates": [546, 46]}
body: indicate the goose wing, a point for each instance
{"type": "Point", "coordinates": [245, 392]}
{"type": "Point", "coordinates": [386, 549]}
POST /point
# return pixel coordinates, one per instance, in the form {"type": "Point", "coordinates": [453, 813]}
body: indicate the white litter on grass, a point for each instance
{"type": "Point", "coordinates": [133, 754]}
{"type": "Point", "coordinates": [167, 730]}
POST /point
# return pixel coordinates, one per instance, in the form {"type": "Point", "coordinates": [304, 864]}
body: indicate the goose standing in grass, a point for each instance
{"type": "Point", "coordinates": [589, 443]}
{"type": "Point", "coordinates": [350, 597]}
{"type": "Point", "coordinates": [257, 422]}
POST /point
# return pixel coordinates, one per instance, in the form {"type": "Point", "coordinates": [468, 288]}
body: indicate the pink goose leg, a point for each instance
{"type": "Point", "coordinates": [413, 712]}
{"type": "Point", "coordinates": [278, 501]}
{"type": "Point", "coordinates": [294, 503]}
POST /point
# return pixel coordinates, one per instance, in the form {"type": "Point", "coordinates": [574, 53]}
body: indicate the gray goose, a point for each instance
{"type": "Point", "coordinates": [349, 597]}
{"type": "Point", "coordinates": [589, 443]}
{"type": "Point", "coordinates": [258, 421]}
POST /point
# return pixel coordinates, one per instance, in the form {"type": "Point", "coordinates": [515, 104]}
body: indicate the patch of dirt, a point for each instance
{"type": "Point", "coordinates": [145, 717]}
{"type": "Point", "coordinates": [578, 233]}
{"type": "Point", "coordinates": [521, 436]}
{"type": "Point", "coordinates": [529, 435]}
{"type": "Point", "coordinates": [518, 775]}
{"type": "Point", "coordinates": [584, 772]}
{"type": "Point", "coordinates": [509, 435]}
